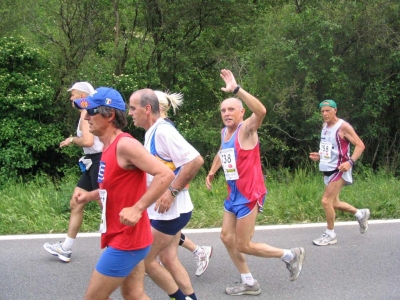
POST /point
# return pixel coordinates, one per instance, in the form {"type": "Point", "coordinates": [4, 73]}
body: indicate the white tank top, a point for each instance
{"type": "Point", "coordinates": [333, 150]}
{"type": "Point", "coordinates": [97, 146]}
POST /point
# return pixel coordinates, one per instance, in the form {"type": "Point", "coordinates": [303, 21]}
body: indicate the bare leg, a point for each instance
{"type": "Point", "coordinates": [169, 258]}
{"type": "Point", "coordinates": [156, 272]}
{"type": "Point", "coordinates": [76, 217]}
{"type": "Point", "coordinates": [101, 286]}
{"type": "Point", "coordinates": [133, 286]}
{"type": "Point", "coordinates": [189, 244]}
{"type": "Point", "coordinates": [330, 201]}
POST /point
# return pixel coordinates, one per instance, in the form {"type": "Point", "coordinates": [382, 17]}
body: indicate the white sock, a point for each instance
{"type": "Point", "coordinates": [287, 255]}
{"type": "Point", "coordinates": [358, 214]}
{"type": "Point", "coordinates": [247, 279]}
{"type": "Point", "coordinates": [68, 243]}
{"type": "Point", "coordinates": [331, 233]}
{"type": "Point", "coordinates": [198, 250]}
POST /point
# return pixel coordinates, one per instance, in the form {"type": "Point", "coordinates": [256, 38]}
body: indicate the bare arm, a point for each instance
{"type": "Point", "coordinates": [84, 197]}
{"type": "Point", "coordinates": [187, 172]}
{"type": "Point", "coordinates": [348, 132]}
{"type": "Point", "coordinates": [214, 168]}
{"type": "Point", "coordinates": [87, 138]}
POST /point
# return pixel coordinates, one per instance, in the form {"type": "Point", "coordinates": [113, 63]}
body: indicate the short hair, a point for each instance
{"type": "Point", "coordinates": [168, 100]}
{"type": "Point", "coordinates": [120, 121]}
{"type": "Point", "coordinates": [148, 97]}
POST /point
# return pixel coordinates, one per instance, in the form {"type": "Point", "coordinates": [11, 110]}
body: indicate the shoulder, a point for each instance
{"type": "Point", "coordinates": [346, 126]}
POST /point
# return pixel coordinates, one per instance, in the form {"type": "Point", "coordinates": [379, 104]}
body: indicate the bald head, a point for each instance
{"type": "Point", "coordinates": [233, 101]}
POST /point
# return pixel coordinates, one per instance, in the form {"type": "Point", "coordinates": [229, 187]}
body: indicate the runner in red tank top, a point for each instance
{"type": "Point", "coordinates": [125, 225]}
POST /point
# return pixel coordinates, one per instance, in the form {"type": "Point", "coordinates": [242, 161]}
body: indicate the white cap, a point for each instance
{"type": "Point", "coordinates": [83, 86]}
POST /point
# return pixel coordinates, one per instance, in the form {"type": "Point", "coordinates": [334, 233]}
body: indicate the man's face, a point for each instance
{"type": "Point", "coordinates": [231, 112]}
{"type": "Point", "coordinates": [75, 94]}
{"type": "Point", "coordinates": [328, 113]}
{"type": "Point", "coordinates": [97, 122]}
{"type": "Point", "coordinates": [137, 112]}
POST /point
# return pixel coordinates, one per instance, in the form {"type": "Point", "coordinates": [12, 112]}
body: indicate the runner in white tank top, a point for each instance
{"type": "Point", "coordinates": [336, 163]}
{"type": "Point", "coordinates": [89, 164]}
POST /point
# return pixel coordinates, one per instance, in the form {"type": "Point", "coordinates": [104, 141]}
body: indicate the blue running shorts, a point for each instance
{"type": "Point", "coordinates": [119, 263]}
{"type": "Point", "coordinates": [171, 227]}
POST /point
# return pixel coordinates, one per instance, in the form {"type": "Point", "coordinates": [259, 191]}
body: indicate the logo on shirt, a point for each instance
{"type": "Point", "coordinates": [100, 175]}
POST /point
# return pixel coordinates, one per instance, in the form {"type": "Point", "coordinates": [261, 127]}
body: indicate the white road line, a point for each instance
{"type": "Point", "coordinates": [186, 231]}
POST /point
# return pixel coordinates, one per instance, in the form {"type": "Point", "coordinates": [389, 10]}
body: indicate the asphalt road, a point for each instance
{"type": "Point", "coordinates": [357, 267]}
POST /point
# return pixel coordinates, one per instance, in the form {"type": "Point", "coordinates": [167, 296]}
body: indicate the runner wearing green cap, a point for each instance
{"type": "Point", "coordinates": [336, 164]}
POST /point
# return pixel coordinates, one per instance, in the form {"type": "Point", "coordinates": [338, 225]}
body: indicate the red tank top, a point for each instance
{"type": "Point", "coordinates": [124, 188]}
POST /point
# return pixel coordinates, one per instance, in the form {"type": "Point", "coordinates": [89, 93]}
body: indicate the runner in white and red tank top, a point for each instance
{"type": "Point", "coordinates": [239, 156]}
{"type": "Point", "coordinates": [336, 164]}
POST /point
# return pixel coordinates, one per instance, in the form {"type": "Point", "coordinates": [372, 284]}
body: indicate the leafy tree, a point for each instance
{"type": "Point", "coordinates": [27, 130]}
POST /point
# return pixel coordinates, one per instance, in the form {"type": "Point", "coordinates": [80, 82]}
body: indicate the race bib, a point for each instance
{"type": "Point", "coordinates": [228, 162]}
{"type": "Point", "coordinates": [325, 151]}
{"type": "Point", "coordinates": [103, 198]}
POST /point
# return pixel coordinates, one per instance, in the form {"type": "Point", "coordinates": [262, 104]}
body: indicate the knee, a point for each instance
{"type": "Point", "coordinates": [133, 294]}
{"type": "Point", "coordinates": [167, 260]}
{"type": "Point", "coordinates": [227, 239]}
{"type": "Point", "coordinates": [151, 265]}
{"type": "Point", "coordinates": [243, 246]}
{"type": "Point", "coordinates": [325, 202]}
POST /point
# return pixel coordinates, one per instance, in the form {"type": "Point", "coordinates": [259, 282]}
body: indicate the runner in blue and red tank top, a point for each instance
{"type": "Point", "coordinates": [336, 163]}
{"type": "Point", "coordinates": [239, 157]}
{"type": "Point", "coordinates": [125, 226]}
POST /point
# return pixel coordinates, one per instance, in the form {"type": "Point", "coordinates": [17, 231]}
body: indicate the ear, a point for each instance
{"type": "Point", "coordinates": [147, 109]}
{"type": "Point", "coordinates": [112, 116]}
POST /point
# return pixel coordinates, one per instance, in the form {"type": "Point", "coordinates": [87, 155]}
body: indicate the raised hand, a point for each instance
{"type": "Point", "coordinates": [229, 79]}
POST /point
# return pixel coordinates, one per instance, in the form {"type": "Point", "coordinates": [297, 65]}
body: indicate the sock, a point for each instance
{"type": "Point", "coordinates": [192, 296]}
{"type": "Point", "coordinates": [358, 214]}
{"type": "Point", "coordinates": [68, 243]}
{"type": "Point", "coordinates": [178, 295]}
{"type": "Point", "coordinates": [287, 255]}
{"type": "Point", "coordinates": [198, 250]}
{"type": "Point", "coordinates": [331, 233]}
{"type": "Point", "coordinates": [247, 279]}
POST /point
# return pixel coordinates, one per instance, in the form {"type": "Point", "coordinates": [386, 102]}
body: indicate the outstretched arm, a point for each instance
{"type": "Point", "coordinates": [251, 124]}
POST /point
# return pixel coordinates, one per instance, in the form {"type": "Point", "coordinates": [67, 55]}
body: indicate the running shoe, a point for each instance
{"type": "Point", "coordinates": [296, 264]}
{"type": "Point", "coordinates": [325, 240]}
{"type": "Point", "coordinates": [57, 250]}
{"type": "Point", "coordinates": [202, 259]}
{"type": "Point", "coordinates": [244, 289]}
{"type": "Point", "coordinates": [364, 220]}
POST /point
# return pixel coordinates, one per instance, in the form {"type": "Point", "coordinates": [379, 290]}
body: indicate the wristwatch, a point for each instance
{"type": "Point", "coordinates": [174, 192]}
{"type": "Point", "coordinates": [236, 89]}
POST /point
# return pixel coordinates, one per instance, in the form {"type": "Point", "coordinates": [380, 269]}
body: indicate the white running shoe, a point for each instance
{"type": "Point", "coordinates": [325, 240]}
{"type": "Point", "coordinates": [364, 220]}
{"type": "Point", "coordinates": [203, 259]}
{"type": "Point", "coordinates": [57, 250]}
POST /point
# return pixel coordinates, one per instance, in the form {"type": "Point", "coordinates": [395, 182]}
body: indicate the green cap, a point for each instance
{"type": "Point", "coordinates": [330, 103]}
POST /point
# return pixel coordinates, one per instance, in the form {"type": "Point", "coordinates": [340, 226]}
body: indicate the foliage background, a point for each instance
{"type": "Point", "coordinates": [291, 54]}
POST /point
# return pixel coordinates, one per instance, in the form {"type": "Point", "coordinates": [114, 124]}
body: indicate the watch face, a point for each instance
{"type": "Point", "coordinates": [174, 192]}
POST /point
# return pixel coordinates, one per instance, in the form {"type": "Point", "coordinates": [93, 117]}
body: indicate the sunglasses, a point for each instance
{"type": "Point", "coordinates": [92, 111]}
